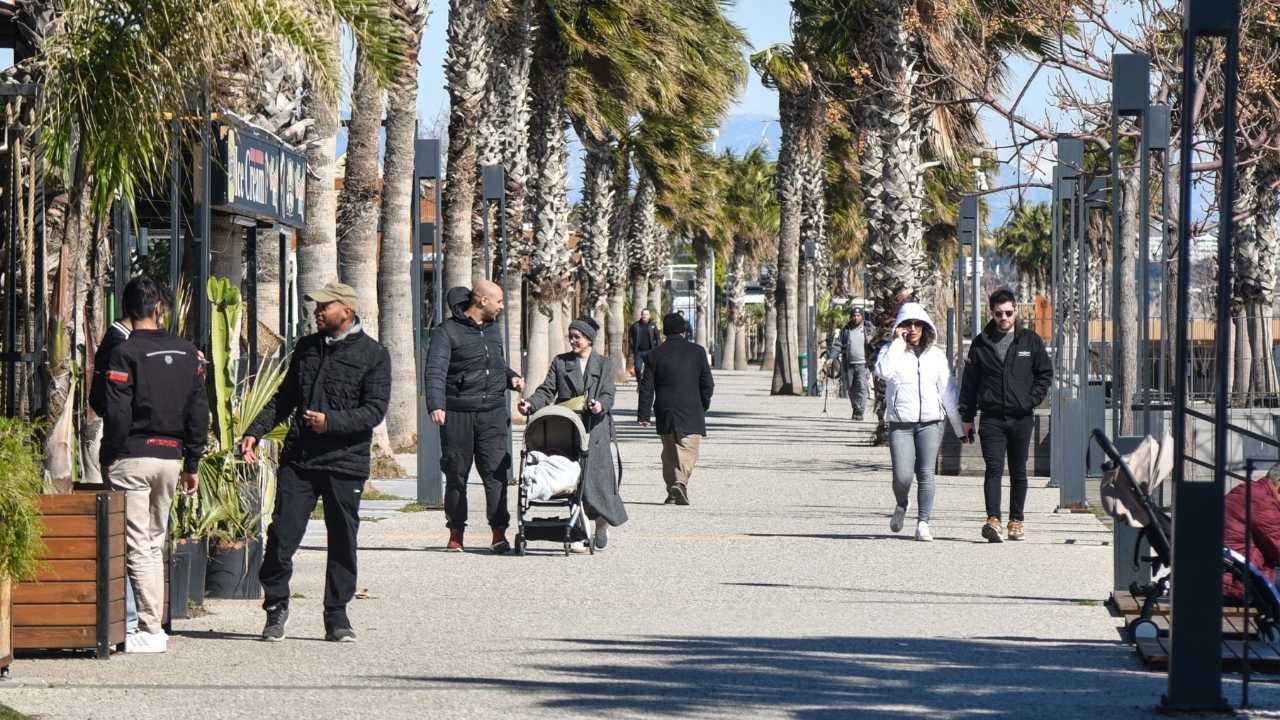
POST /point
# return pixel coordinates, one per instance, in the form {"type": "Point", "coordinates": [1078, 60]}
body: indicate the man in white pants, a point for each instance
{"type": "Point", "coordinates": [154, 430]}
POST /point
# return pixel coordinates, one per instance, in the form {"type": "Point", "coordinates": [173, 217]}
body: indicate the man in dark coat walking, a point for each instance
{"type": "Point", "coordinates": [467, 383]}
{"type": "Point", "coordinates": [642, 338]}
{"type": "Point", "coordinates": [677, 387]}
{"type": "Point", "coordinates": [1006, 377]}
{"type": "Point", "coordinates": [335, 392]}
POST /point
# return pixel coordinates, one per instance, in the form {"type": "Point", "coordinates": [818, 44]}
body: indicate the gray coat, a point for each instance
{"type": "Point", "coordinates": [565, 381]}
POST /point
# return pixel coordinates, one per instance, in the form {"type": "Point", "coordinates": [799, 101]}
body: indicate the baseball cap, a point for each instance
{"type": "Point", "coordinates": [334, 292]}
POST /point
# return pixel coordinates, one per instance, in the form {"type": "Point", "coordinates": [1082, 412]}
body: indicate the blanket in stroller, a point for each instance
{"type": "Point", "coordinates": [1151, 464]}
{"type": "Point", "coordinates": [546, 476]}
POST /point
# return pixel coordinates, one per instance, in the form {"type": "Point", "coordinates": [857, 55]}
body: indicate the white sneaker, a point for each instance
{"type": "Point", "coordinates": [922, 532]}
{"type": "Point", "coordinates": [145, 642]}
{"type": "Point", "coordinates": [895, 523]}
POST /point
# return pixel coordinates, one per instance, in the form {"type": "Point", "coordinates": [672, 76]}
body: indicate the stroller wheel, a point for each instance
{"type": "Point", "coordinates": [521, 544]}
{"type": "Point", "coordinates": [566, 549]}
{"type": "Point", "coordinates": [1142, 629]}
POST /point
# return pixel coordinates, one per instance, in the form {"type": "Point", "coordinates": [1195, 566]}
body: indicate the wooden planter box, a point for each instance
{"type": "Point", "coordinates": [6, 626]}
{"type": "Point", "coordinates": [77, 600]}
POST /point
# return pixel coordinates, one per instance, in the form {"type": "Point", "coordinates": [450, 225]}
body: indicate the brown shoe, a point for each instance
{"type": "Point", "coordinates": [455, 540]}
{"type": "Point", "coordinates": [1015, 530]}
{"type": "Point", "coordinates": [991, 530]}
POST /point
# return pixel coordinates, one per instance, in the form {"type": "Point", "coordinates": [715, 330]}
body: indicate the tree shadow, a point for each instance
{"type": "Point", "coordinates": [832, 677]}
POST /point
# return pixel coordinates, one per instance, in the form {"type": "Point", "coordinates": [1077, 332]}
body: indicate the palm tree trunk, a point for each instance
{"type": "Point", "coordinates": [786, 369]}
{"type": "Point", "coordinates": [466, 69]}
{"type": "Point", "coordinates": [655, 296]}
{"type": "Point", "coordinates": [729, 346]}
{"type": "Point", "coordinates": [640, 245]}
{"type": "Point", "coordinates": [615, 329]}
{"type": "Point", "coordinates": [639, 296]}
{"type": "Point", "coordinates": [701, 251]}
{"type": "Point", "coordinates": [1127, 313]}
{"type": "Point", "coordinates": [768, 284]}
{"type": "Point", "coordinates": [395, 284]}
{"type": "Point", "coordinates": [317, 243]}
{"type": "Point", "coordinates": [741, 361]}
{"type": "Point", "coordinates": [550, 265]}
{"type": "Point", "coordinates": [597, 221]}
{"type": "Point", "coordinates": [358, 201]}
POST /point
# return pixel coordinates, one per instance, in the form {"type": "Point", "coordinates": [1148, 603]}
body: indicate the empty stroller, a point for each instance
{"type": "Point", "coordinates": [1127, 491]}
{"type": "Point", "coordinates": [553, 431]}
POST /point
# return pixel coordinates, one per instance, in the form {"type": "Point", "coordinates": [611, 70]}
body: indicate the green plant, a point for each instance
{"type": "Point", "coordinates": [224, 299]}
{"type": "Point", "coordinates": [20, 487]}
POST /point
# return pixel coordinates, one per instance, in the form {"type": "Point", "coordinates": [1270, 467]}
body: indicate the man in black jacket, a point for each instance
{"type": "Point", "coordinates": [155, 422]}
{"type": "Point", "coordinates": [1006, 378]}
{"type": "Point", "coordinates": [642, 338]}
{"type": "Point", "coordinates": [467, 380]}
{"type": "Point", "coordinates": [335, 393]}
{"type": "Point", "coordinates": [677, 386]}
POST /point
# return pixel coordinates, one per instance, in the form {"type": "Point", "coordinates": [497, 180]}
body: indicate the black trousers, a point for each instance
{"type": "Point", "coordinates": [296, 493]}
{"type": "Point", "coordinates": [480, 438]}
{"type": "Point", "coordinates": [1001, 436]}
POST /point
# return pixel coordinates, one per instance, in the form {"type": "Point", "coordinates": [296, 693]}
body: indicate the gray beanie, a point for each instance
{"type": "Point", "coordinates": [586, 326]}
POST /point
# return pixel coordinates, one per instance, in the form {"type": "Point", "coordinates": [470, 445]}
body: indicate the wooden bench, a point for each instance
{"type": "Point", "coordinates": [1264, 656]}
{"type": "Point", "coordinates": [77, 601]}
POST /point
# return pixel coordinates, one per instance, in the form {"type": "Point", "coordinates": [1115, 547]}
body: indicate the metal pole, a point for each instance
{"type": "Point", "coordinates": [286, 327]}
{"type": "Point", "coordinates": [175, 216]}
{"type": "Point", "coordinates": [11, 294]}
{"type": "Point", "coordinates": [1115, 275]}
{"type": "Point", "coordinates": [1195, 661]}
{"type": "Point", "coordinates": [38, 388]}
{"type": "Point", "coordinates": [199, 295]}
{"type": "Point", "coordinates": [1143, 268]}
{"type": "Point", "coordinates": [251, 262]}
{"type": "Point", "coordinates": [976, 301]}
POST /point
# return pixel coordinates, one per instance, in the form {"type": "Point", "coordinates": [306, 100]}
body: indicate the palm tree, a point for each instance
{"type": "Point", "coordinates": [399, 204]}
{"type": "Point", "coordinates": [358, 202]}
{"type": "Point", "coordinates": [101, 61]}
{"type": "Point", "coordinates": [751, 216]}
{"type": "Point", "coordinates": [1026, 239]}
{"type": "Point", "coordinates": [466, 68]}
{"type": "Point", "coordinates": [802, 114]}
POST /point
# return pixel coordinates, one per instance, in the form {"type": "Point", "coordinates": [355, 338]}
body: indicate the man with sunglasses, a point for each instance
{"type": "Point", "coordinates": [1005, 378]}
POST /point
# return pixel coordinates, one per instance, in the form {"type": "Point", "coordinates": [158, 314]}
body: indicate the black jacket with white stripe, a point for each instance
{"type": "Point", "coordinates": [155, 400]}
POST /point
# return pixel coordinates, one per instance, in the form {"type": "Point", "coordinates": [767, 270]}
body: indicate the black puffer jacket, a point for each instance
{"type": "Point", "coordinates": [466, 367]}
{"type": "Point", "coordinates": [350, 382]}
{"type": "Point", "coordinates": [1012, 387]}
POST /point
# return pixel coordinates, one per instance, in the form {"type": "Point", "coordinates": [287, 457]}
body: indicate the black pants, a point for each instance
{"type": "Point", "coordinates": [479, 437]}
{"type": "Point", "coordinates": [296, 493]}
{"type": "Point", "coordinates": [1001, 436]}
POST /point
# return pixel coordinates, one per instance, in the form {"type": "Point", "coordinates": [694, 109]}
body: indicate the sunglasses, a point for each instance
{"type": "Point", "coordinates": [1005, 313]}
{"type": "Point", "coordinates": [918, 324]}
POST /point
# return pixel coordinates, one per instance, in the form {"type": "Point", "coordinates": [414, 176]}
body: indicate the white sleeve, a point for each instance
{"type": "Point", "coordinates": [948, 392]}
{"type": "Point", "coordinates": [890, 358]}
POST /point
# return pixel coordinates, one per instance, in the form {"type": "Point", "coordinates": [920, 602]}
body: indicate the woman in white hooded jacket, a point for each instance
{"type": "Point", "coordinates": [920, 397]}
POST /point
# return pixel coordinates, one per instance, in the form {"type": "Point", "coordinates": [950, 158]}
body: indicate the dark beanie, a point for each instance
{"type": "Point", "coordinates": [674, 324]}
{"type": "Point", "coordinates": [587, 327]}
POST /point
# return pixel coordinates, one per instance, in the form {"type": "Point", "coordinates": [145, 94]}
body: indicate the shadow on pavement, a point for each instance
{"type": "Point", "coordinates": [833, 677]}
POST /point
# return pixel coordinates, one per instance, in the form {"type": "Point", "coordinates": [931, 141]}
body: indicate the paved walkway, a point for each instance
{"type": "Point", "coordinates": [779, 593]}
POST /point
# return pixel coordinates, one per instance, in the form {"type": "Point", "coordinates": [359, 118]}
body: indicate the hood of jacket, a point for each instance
{"type": "Point", "coordinates": [914, 311]}
{"type": "Point", "coordinates": [457, 299]}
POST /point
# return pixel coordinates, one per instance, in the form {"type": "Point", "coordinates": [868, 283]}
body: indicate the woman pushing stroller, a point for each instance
{"type": "Point", "coordinates": [578, 373]}
{"type": "Point", "coordinates": [919, 394]}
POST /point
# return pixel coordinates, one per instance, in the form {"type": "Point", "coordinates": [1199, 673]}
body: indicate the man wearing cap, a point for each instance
{"type": "Point", "coordinates": [334, 394]}
{"type": "Point", "coordinates": [467, 380]}
{"type": "Point", "coordinates": [853, 348]}
{"type": "Point", "coordinates": [677, 387]}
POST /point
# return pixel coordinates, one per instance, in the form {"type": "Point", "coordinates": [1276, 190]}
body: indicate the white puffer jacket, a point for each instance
{"type": "Point", "coordinates": [918, 388]}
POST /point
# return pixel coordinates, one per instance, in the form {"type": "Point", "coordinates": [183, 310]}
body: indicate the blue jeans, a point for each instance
{"type": "Point", "coordinates": [914, 450]}
{"type": "Point", "coordinates": [130, 609]}
{"type": "Point", "coordinates": [640, 359]}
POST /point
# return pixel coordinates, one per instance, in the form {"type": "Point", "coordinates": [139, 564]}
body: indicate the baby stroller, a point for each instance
{"type": "Point", "coordinates": [554, 431]}
{"type": "Point", "coordinates": [1127, 491]}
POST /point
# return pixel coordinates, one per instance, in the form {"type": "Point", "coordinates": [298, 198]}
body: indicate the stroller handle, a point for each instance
{"type": "Point", "coordinates": [1113, 454]}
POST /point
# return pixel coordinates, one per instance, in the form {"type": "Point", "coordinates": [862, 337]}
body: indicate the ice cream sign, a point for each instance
{"type": "Point", "coordinates": [256, 176]}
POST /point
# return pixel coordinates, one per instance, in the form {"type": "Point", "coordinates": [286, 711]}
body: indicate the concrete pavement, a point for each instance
{"type": "Point", "coordinates": [779, 593]}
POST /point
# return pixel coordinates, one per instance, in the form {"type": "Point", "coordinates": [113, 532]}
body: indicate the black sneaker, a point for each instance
{"type": "Point", "coordinates": [342, 634]}
{"type": "Point", "coordinates": [679, 494]}
{"type": "Point", "coordinates": [277, 618]}
{"type": "Point", "coordinates": [671, 498]}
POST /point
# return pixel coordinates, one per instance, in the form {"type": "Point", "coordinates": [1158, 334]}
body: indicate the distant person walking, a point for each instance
{"type": "Point", "coordinates": [334, 394]}
{"type": "Point", "coordinates": [677, 388]}
{"type": "Point", "coordinates": [155, 424]}
{"type": "Point", "coordinates": [920, 395]}
{"type": "Point", "coordinates": [642, 338]}
{"type": "Point", "coordinates": [467, 383]}
{"type": "Point", "coordinates": [853, 349]}
{"type": "Point", "coordinates": [1005, 378]}
{"type": "Point", "coordinates": [584, 373]}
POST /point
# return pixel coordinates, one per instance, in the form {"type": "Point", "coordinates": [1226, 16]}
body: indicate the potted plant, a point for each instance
{"type": "Point", "coordinates": [235, 497]}
{"type": "Point", "coordinates": [20, 526]}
